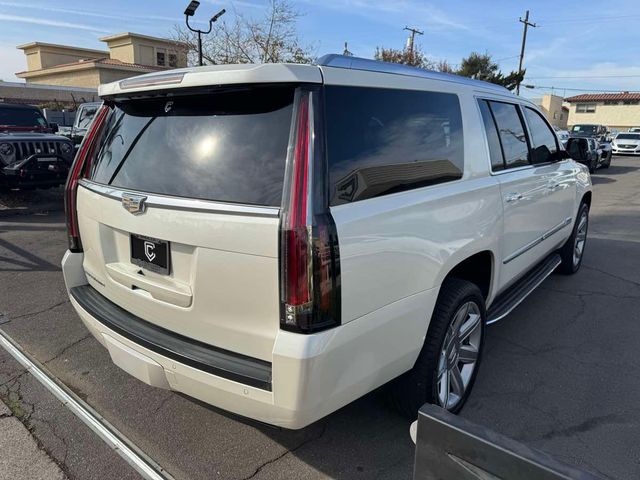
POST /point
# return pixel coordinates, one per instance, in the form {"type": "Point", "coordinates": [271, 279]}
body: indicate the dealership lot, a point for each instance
{"type": "Point", "coordinates": [560, 373]}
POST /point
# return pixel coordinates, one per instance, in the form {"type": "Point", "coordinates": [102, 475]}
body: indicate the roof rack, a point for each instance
{"type": "Point", "coordinates": [366, 64]}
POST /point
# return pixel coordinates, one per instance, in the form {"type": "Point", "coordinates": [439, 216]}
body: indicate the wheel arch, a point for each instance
{"type": "Point", "coordinates": [479, 269]}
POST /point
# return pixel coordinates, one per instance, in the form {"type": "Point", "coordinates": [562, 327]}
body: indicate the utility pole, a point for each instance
{"type": "Point", "coordinates": [412, 38]}
{"type": "Point", "coordinates": [527, 24]}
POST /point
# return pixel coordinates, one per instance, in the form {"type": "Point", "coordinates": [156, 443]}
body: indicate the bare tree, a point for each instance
{"type": "Point", "coordinates": [271, 38]}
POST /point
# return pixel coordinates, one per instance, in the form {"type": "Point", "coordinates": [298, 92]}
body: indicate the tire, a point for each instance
{"type": "Point", "coordinates": [421, 384]}
{"type": "Point", "coordinates": [571, 261]}
{"type": "Point", "coordinates": [593, 166]}
{"type": "Point", "coordinates": [607, 164]}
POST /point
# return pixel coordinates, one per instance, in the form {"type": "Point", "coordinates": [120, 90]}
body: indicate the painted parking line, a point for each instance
{"type": "Point", "coordinates": [116, 440]}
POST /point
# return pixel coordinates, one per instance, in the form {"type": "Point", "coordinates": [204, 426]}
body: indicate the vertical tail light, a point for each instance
{"type": "Point", "coordinates": [309, 255]}
{"type": "Point", "coordinates": [79, 168]}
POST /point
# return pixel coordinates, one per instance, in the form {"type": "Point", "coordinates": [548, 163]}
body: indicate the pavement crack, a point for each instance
{"type": "Point", "coordinates": [623, 279]}
{"type": "Point", "coordinates": [287, 452]}
{"type": "Point", "coordinates": [38, 312]}
{"type": "Point", "coordinates": [67, 348]}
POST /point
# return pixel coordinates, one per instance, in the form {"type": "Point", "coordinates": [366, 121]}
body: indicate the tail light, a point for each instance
{"type": "Point", "coordinates": [309, 255]}
{"type": "Point", "coordinates": [79, 168]}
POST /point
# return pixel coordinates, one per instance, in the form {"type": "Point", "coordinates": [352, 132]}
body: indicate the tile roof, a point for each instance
{"type": "Point", "coordinates": [599, 97]}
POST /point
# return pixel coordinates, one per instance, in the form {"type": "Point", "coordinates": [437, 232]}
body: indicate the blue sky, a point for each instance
{"type": "Point", "coordinates": [578, 45]}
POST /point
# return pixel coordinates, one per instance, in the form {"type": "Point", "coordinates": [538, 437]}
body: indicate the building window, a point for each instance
{"type": "Point", "coordinates": [160, 60]}
{"type": "Point", "coordinates": [173, 60]}
{"type": "Point", "coordinates": [586, 108]}
{"type": "Point", "coordinates": [555, 115]}
{"type": "Point", "coordinates": [630, 102]}
{"type": "Point", "coordinates": [611, 102]}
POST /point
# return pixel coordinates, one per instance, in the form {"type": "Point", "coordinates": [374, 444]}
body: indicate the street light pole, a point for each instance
{"type": "Point", "coordinates": [189, 11]}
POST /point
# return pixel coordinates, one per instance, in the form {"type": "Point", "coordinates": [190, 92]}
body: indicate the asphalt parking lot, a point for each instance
{"type": "Point", "coordinates": [561, 373]}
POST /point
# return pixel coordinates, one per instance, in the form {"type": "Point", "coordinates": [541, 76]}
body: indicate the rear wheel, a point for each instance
{"type": "Point", "coordinates": [448, 363]}
{"type": "Point", "coordinates": [572, 251]}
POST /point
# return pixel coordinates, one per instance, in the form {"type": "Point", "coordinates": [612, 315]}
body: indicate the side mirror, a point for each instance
{"type": "Point", "coordinates": [562, 155]}
{"type": "Point", "coordinates": [53, 126]}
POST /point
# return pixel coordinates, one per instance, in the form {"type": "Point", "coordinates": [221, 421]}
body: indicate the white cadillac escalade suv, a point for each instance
{"type": "Point", "coordinates": [278, 240]}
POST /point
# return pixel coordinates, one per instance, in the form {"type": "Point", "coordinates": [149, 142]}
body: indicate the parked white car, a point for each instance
{"type": "Point", "coordinates": [626, 143]}
{"type": "Point", "coordinates": [278, 240]}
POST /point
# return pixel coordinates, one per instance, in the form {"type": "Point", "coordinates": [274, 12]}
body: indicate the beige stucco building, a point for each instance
{"type": "Point", "coordinates": [554, 110]}
{"type": "Point", "coordinates": [619, 111]}
{"type": "Point", "coordinates": [127, 54]}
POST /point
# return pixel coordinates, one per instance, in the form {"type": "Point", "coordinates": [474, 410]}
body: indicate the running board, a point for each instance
{"type": "Point", "coordinates": [511, 297]}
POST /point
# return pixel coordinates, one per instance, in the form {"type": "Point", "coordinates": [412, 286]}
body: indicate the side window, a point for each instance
{"type": "Point", "coordinates": [495, 150]}
{"type": "Point", "coordinates": [512, 135]}
{"type": "Point", "coordinates": [543, 140]}
{"type": "Point", "coordinates": [383, 141]}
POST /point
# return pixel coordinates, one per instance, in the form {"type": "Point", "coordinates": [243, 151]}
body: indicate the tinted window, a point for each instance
{"type": "Point", "coordinates": [382, 141]}
{"type": "Point", "coordinates": [495, 150]}
{"type": "Point", "coordinates": [512, 136]}
{"type": "Point", "coordinates": [86, 115]}
{"type": "Point", "coordinates": [587, 129]}
{"type": "Point", "coordinates": [227, 146]}
{"type": "Point", "coordinates": [21, 117]}
{"type": "Point", "coordinates": [543, 139]}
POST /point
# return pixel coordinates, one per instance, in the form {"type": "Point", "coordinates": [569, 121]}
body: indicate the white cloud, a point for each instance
{"type": "Point", "coordinates": [388, 12]}
{"type": "Point", "coordinates": [49, 23]}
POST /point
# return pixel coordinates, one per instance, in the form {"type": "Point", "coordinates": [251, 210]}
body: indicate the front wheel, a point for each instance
{"type": "Point", "coordinates": [446, 368]}
{"type": "Point", "coordinates": [572, 251]}
{"type": "Point", "coordinates": [607, 164]}
{"type": "Point", "coordinates": [593, 165]}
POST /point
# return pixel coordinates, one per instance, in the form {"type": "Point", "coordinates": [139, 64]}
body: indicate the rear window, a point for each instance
{"type": "Point", "coordinates": [228, 146]}
{"type": "Point", "coordinates": [382, 141]}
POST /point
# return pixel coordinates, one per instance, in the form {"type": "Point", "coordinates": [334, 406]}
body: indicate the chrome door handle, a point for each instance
{"type": "Point", "coordinates": [513, 197]}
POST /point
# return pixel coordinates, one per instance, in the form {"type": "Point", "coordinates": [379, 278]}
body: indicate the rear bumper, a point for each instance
{"type": "Point", "coordinates": [310, 375]}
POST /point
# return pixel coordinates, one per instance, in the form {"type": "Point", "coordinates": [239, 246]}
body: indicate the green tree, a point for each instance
{"type": "Point", "coordinates": [482, 67]}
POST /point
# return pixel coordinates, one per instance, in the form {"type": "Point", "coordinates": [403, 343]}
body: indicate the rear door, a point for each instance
{"type": "Point", "coordinates": [179, 216]}
{"type": "Point", "coordinates": [524, 188]}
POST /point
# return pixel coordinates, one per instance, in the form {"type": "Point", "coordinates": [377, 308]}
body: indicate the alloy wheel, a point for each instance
{"type": "Point", "coordinates": [581, 238]}
{"type": "Point", "coordinates": [459, 355]}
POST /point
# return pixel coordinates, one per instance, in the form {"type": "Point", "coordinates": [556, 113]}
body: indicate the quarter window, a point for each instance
{"type": "Point", "coordinates": [383, 141]}
{"type": "Point", "coordinates": [512, 134]}
{"type": "Point", "coordinates": [543, 140]}
{"type": "Point", "coordinates": [495, 150]}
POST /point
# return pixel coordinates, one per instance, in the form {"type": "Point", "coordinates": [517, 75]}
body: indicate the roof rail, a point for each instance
{"type": "Point", "coordinates": [366, 64]}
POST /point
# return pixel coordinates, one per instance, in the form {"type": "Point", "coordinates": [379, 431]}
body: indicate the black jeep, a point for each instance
{"type": "Point", "coordinates": [31, 155]}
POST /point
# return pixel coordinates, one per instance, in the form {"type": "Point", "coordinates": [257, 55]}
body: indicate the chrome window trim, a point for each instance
{"type": "Point", "coordinates": [521, 105]}
{"type": "Point", "coordinates": [166, 202]}
{"type": "Point", "coordinates": [537, 241]}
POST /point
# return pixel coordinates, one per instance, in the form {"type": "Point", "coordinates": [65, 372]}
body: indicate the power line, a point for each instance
{"type": "Point", "coordinates": [585, 76]}
{"type": "Point", "coordinates": [610, 90]}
